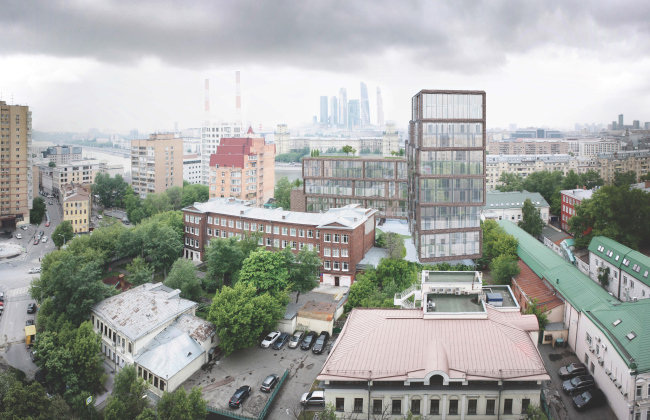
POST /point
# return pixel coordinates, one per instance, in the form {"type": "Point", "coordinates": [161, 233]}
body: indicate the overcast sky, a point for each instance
{"type": "Point", "coordinates": [142, 64]}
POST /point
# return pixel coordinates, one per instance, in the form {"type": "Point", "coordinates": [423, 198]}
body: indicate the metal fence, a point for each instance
{"type": "Point", "coordinates": [262, 415]}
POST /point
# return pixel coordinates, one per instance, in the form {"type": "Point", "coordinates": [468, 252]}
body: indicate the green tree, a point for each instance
{"type": "Point", "coordinates": [349, 149]}
{"type": "Point", "coordinates": [249, 242]}
{"type": "Point", "coordinates": [535, 412]}
{"type": "Point", "coordinates": [60, 409]}
{"type": "Point", "coordinates": [87, 363]}
{"type": "Point", "coordinates": [544, 182]}
{"type": "Point", "coordinates": [52, 165]}
{"type": "Point", "coordinates": [266, 271]}
{"type": "Point", "coordinates": [147, 414]}
{"type": "Point", "coordinates": [163, 245]}
{"type": "Point", "coordinates": [603, 277]}
{"type": "Point", "coordinates": [133, 206]}
{"type": "Point", "coordinates": [156, 203]}
{"type": "Point", "coordinates": [111, 191]}
{"type": "Point", "coordinates": [63, 233]}
{"type": "Point", "coordinates": [591, 179]}
{"type": "Point", "coordinates": [531, 221]}
{"type": "Point", "coordinates": [241, 315]}
{"type": "Point", "coordinates": [183, 276]}
{"type": "Point", "coordinates": [38, 210]}
{"type": "Point", "coordinates": [571, 181]}
{"type": "Point", "coordinates": [304, 270]}
{"type": "Point", "coordinates": [533, 309]}
{"type": "Point", "coordinates": [27, 402]}
{"type": "Point", "coordinates": [645, 177]}
{"type": "Point", "coordinates": [510, 182]}
{"type": "Point", "coordinates": [504, 268]}
{"type": "Point", "coordinates": [395, 246]}
{"type": "Point", "coordinates": [175, 195]}
{"type": "Point", "coordinates": [6, 382]}
{"type": "Point", "coordinates": [141, 272]}
{"type": "Point", "coordinates": [195, 193]}
{"type": "Point", "coordinates": [182, 406]}
{"type": "Point", "coordinates": [625, 178]}
{"type": "Point", "coordinates": [126, 400]}
{"type": "Point", "coordinates": [282, 193]}
{"type": "Point", "coordinates": [223, 258]}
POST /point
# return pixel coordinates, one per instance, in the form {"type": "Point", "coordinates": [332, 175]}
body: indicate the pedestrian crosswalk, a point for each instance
{"type": "Point", "coordinates": [19, 291]}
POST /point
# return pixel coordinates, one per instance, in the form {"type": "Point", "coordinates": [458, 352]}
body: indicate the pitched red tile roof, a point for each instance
{"type": "Point", "coordinates": [534, 287]}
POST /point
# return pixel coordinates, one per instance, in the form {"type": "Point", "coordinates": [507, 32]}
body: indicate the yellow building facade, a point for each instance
{"type": "Point", "coordinates": [77, 206]}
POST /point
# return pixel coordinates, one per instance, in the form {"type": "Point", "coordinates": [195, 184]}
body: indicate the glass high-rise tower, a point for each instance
{"type": "Point", "coordinates": [446, 166]}
{"type": "Point", "coordinates": [323, 110]}
{"type": "Point", "coordinates": [364, 105]}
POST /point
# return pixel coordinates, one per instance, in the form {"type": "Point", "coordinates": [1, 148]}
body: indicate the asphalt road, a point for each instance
{"type": "Point", "coordinates": [14, 283]}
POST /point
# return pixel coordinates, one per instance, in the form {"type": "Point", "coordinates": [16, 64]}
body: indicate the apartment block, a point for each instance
{"type": "Point", "coordinates": [593, 148]}
{"type": "Point", "coordinates": [211, 135]}
{"type": "Point", "coordinates": [528, 147]}
{"type": "Point", "coordinates": [192, 169]}
{"type": "Point", "coordinates": [77, 206]}
{"type": "Point", "coordinates": [16, 176]}
{"type": "Point", "coordinates": [341, 237]}
{"type": "Point", "coordinates": [377, 183]}
{"type": "Point", "coordinates": [446, 168]}
{"type": "Point", "coordinates": [570, 199]}
{"type": "Point", "coordinates": [51, 180]}
{"type": "Point", "coordinates": [524, 165]}
{"type": "Point", "coordinates": [156, 163]}
{"type": "Point", "coordinates": [610, 163]}
{"type": "Point", "coordinates": [62, 154]}
{"type": "Point", "coordinates": [243, 168]}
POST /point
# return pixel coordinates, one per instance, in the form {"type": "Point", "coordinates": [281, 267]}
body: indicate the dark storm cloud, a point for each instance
{"type": "Point", "coordinates": [466, 36]}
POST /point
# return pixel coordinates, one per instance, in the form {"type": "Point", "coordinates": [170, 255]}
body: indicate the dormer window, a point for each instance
{"type": "Point", "coordinates": [626, 262]}
{"type": "Point", "coordinates": [631, 336]}
{"type": "Point", "coordinates": [615, 323]}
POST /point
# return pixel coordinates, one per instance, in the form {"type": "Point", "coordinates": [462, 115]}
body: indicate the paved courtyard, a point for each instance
{"type": "Point", "coordinates": [562, 405]}
{"type": "Point", "coordinates": [249, 367]}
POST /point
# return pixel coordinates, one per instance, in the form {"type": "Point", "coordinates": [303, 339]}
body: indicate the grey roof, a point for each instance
{"type": "Point", "coordinates": [349, 216]}
{"type": "Point", "coordinates": [197, 328]}
{"type": "Point", "coordinates": [510, 200]}
{"type": "Point", "coordinates": [555, 326]}
{"type": "Point", "coordinates": [136, 312]}
{"type": "Point", "coordinates": [580, 194]}
{"type": "Point", "coordinates": [528, 158]}
{"type": "Point", "coordinates": [372, 257]}
{"type": "Point", "coordinates": [168, 353]}
{"type": "Point", "coordinates": [292, 310]}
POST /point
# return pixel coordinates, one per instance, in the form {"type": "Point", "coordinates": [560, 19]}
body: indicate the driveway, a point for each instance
{"type": "Point", "coordinates": [249, 367]}
{"type": "Point", "coordinates": [562, 405]}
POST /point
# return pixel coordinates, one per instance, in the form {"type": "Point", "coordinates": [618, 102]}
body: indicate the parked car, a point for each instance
{"type": "Point", "coordinates": [578, 385]}
{"type": "Point", "coordinates": [592, 398]}
{"type": "Point", "coordinates": [270, 339]}
{"type": "Point", "coordinates": [240, 396]}
{"type": "Point", "coordinates": [281, 341]}
{"type": "Point", "coordinates": [308, 340]}
{"type": "Point", "coordinates": [269, 383]}
{"type": "Point", "coordinates": [36, 241]}
{"type": "Point", "coordinates": [321, 342]}
{"type": "Point", "coordinates": [313, 398]}
{"type": "Point", "coordinates": [329, 349]}
{"type": "Point", "coordinates": [100, 217]}
{"type": "Point", "coordinates": [24, 227]}
{"type": "Point", "coordinates": [44, 239]}
{"type": "Point", "coordinates": [29, 322]}
{"type": "Point", "coordinates": [33, 355]}
{"type": "Point", "coordinates": [295, 339]}
{"type": "Point", "coordinates": [31, 308]}
{"type": "Point", "coordinates": [2, 297]}
{"type": "Point", "coordinates": [41, 233]}
{"type": "Point", "coordinates": [50, 203]}
{"type": "Point", "coordinates": [47, 224]}
{"type": "Point", "coordinates": [34, 270]}
{"type": "Point", "coordinates": [574, 369]}
{"type": "Point", "coordinates": [19, 236]}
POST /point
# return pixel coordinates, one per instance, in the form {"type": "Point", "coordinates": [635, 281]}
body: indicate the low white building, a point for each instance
{"type": "Point", "coordinates": [431, 360]}
{"type": "Point", "coordinates": [628, 269]}
{"type": "Point", "coordinates": [508, 205]}
{"type": "Point", "coordinates": [153, 328]}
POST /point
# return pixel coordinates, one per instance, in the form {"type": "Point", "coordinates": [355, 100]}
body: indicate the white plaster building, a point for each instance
{"type": "Point", "coordinates": [192, 169]}
{"type": "Point", "coordinates": [508, 205]}
{"type": "Point", "coordinates": [153, 328]}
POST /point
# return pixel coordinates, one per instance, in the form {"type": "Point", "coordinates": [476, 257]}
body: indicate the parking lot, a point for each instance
{"type": "Point", "coordinates": [250, 367]}
{"type": "Point", "coordinates": [560, 403]}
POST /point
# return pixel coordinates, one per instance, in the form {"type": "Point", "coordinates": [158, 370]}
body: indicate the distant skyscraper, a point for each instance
{"type": "Point", "coordinates": [620, 120]}
{"type": "Point", "coordinates": [133, 134]}
{"type": "Point", "coordinates": [354, 119]}
{"type": "Point", "coordinates": [343, 107]}
{"type": "Point", "coordinates": [614, 125]}
{"type": "Point", "coordinates": [380, 108]}
{"type": "Point", "coordinates": [334, 113]}
{"type": "Point", "coordinates": [646, 126]}
{"type": "Point", "coordinates": [364, 105]}
{"type": "Point", "coordinates": [323, 109]}
{"type": "Point", "coordinates": [513, 127]}
{"type": "Point", "coordinates": [635, 124]}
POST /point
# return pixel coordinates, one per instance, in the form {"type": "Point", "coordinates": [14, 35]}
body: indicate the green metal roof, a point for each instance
{"type": "Point", "coordinates": [514, 199]}
{"type": "Point", "coordinates": [588, 297]}
{"type": "Point", "coordinates": [636, 264]}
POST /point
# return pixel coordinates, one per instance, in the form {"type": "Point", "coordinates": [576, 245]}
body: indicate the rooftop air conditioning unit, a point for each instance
{"type": "Point", "coordinates": [634, 299]}
{"type": "Point", "coordinates": [467, 292]}
{"type": "Point", "coordinates": [597, 338]}
{"type": "Point", "coordinates": [604, 346]}
{"type": "Point", "coordinates": [601, 361]}
{"type": "Point", "coordinates": [591, 349]}
{"type": "Point", "coordinates": [457, 292]}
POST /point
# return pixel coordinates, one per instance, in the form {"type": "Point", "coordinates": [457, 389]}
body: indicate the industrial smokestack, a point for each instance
{"type": "Point", "coordinates": [238, 98]}
{"type": "Point", "coordinates": [207, 101]}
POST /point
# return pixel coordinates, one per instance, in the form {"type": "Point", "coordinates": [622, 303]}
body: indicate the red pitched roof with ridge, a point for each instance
{"type": "Point", "coordinates": [534, 287]}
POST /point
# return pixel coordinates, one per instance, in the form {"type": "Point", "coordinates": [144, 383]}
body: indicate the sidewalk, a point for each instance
{"type": "Point", "coordinates": [100, 401]}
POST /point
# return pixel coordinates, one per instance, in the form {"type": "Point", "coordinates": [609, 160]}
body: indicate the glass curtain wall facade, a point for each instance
{"type": "Point", "coordinates": [379, 183]}
{"type": "Point", "coordinates": [446, 174]}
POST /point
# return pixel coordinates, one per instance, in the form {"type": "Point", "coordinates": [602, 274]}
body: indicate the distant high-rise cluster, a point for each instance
{"type": "Point", "coordinates": [620, 125]}
{"type": "Point", "coordinates": [339, 112]}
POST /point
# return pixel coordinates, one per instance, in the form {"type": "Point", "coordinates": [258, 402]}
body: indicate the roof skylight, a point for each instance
{"type": "Point", "coordinates": [618, 321]}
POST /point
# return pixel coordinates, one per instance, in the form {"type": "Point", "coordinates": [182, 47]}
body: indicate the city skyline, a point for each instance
{"type": "Point", "coordinates": [75, 72]}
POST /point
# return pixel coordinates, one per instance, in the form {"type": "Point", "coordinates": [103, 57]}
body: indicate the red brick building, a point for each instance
{"type": "Point", "coordinates": [341, 236]}
{"type": "Point", "coordinates": [570, 199]}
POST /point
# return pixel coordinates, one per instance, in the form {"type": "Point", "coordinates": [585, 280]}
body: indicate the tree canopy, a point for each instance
{"type": "Point", "coordinates": [303, 269]}
{"type": "Point", "coordinates": [624, 178]}
{"type": "Point", "coordinates": [266, 270]}
{"type": "Point", "coordinates": [37, 212]}
{"type": "Point", "coordinates": [183, 276]}
{"type": "Point", "coordinates": [531, 220]}
{"type": "Point", "coordinates": [126, 400]}
{"type": "Point", "coordinates": [63, 233]}
{"type": "Point", "coordinates": [241, 315]}
{"type": "Point", "coordinates": [179, 405]}
{"type": "Point", "coordinates": [111, 190]}
{"type": "Point", "coordinates": [282, 192]}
